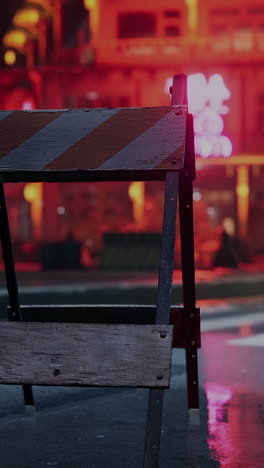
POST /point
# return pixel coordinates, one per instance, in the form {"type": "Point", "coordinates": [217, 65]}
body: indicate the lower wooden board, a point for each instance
{"type": "Point", "coordinates": [85, 354]}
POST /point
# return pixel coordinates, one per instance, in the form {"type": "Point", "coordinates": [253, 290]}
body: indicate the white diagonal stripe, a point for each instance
{"type": "Point", "coordinates": [55, 138]}
{"type": "Point", "coordinates": [254, 340]}
{"type": "Point", "coordinates": [4, 114]}
{"type": "Point", "coordinates": [151, 147]}
{"type": "Point", "coordinates": [223, 323]}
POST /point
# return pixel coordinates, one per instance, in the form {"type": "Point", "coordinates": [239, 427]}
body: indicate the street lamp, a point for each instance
{"type": "Point", "coordinates": [16, 38]}
{"type": "Point", "coordinates": [21, 39]}
{"type": "Point", "coordinates": [93, 7]}
{"type": "Point", "coordinates": [27, 17]}
{"type": "Point", "coordinates": [30, 22]}
{"type": "Point", "coordinates": [10, 57]}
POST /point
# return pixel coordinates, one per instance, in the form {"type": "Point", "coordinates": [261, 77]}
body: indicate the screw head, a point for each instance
{"type": "Point", "coordinates": [163, 334]}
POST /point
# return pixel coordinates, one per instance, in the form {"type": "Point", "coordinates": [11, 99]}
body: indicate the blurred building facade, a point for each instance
{"type": "Point", "coordinates": [121, 53]}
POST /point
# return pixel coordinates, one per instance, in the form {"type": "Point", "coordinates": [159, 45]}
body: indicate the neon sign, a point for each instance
{"type": "Point", "coordinates": [207, 104]}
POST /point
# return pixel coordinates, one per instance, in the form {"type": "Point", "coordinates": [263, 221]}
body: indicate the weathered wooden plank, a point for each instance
{"type": "Point", "coordinates": [115, 314]}
{"type": "Point", "coordinates": [129, 139]}
{"type": "Point", "coordinates": [82, 354]}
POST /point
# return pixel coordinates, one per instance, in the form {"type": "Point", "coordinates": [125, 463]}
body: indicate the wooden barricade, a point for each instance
{"type": "Point", "coordinates": [98, 345]}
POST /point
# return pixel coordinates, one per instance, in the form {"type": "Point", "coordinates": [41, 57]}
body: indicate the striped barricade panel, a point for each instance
{"type": "Point", "coordinates": [127, 139]}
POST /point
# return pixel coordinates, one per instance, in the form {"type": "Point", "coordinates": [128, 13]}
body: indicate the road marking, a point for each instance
{"type": "Point", "coordinates": [231, 322]}
{"type": "Point", "coordinates": [254, 340]}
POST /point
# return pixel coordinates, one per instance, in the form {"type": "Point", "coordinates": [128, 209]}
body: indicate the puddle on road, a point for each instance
{"type": "Point", "coordinates": [235, 427]}
{"type": "Point", "coordinates": [234, 386]}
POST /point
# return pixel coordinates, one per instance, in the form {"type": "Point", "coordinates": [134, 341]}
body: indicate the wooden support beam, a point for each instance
{"type": "Point", "coordinates": [115, 314]}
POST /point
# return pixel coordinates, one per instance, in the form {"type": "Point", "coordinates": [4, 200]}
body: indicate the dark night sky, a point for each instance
{"type": "Point", "coordinates": [7, 9]}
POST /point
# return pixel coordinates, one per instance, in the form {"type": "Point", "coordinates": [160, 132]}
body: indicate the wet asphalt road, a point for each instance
{"type": "Point", "coordinates": [233, 379]}
{"type": "Point", "coordinates": [104, 428]}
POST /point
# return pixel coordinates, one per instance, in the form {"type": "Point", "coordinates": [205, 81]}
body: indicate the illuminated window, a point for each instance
{"type": "Point", "coordinates": [172, 14]}
{"type": "Point", "coordinates": [243, 39]}
{"type": "Point", "coordinates": [136, 25]}
{"type": "Point", "coordinates": [172, 31]}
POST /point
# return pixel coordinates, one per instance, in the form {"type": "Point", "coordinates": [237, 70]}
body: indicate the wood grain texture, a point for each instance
{"type": "Point", "coordinates": [85, 354]}
{"type": "Point", "coordinates": [106, 140]}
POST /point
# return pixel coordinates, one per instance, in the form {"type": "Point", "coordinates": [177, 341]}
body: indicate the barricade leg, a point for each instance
{"type": "Point", "coordinates": [14, 311]}
{"type": "Point", "coordinates": [153, 430]}
{"type": "Point", "coordinates": [188, 279]}
{"type": "Point", "coordinates": [179, 97]}
{"type": "Point", "coordinates": [155, 404]}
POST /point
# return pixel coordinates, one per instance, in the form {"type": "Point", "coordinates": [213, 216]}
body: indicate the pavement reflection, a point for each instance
{"type": "Point", "coordinates": [234, 382]}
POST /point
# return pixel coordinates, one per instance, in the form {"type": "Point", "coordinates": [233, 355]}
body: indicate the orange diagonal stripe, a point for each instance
{"type": "Point", "coordinates": [20, 125]}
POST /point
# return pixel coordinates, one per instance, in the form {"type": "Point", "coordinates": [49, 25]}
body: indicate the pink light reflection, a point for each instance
{"type": "Point", "coordinates": [208, 122]}
{"type": "Point", "coordinates": [215, 146]}
{"type": "Point", "coordinates": [27, 105]}
{"type": "Point", "coordinates": [206, 99]}
{"type": "Point", "coordinates": [217, 394]}
{"type": "Point", "coordinates": [197, 92]}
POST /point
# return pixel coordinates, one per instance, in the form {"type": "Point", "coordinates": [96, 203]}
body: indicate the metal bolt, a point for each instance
{"type": "Point", "coordinates": [193, 356]}
{"type": "Point", "coordinates": [191, 315]}
{"type": "Point", "coordinates": [193, 342]}
{"type": "Point", "coordinates": [194, 382]}
{"type": "Point", "coordinates": [163, 334]}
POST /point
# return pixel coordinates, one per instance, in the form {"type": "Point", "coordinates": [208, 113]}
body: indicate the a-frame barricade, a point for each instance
{"type": "Point", "coordinates": [105, 345]}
